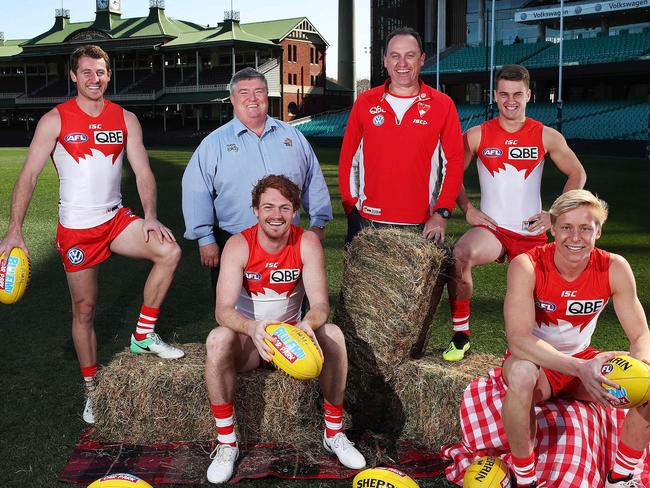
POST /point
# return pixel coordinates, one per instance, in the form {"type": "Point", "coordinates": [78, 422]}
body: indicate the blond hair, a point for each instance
{"type": "Point", "coordinates": [577, 198]}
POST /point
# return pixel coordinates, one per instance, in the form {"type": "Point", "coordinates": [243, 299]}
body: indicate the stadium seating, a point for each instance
{"type": "Point", "coordinates": [599, 120]}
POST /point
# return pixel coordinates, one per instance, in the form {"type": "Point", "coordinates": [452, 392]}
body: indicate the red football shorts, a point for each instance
{"type": "Point", "coordinates": [564, 385]}
{"type": "Point", "coordinates": [515, 244]}
{"type": "Point", "coordinates": [84, 248]}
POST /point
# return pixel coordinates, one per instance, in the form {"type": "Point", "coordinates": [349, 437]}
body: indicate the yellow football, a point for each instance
{"type": "Point", "coordinates": [487, 472]}
{"type": "Point", "coordinates": [383, 478]}
{"type": "Point", "coordinates": [14, 276]}
{"type": "Point", "coordinates": [633, 377]}
{"type": "Point", "coordinates": [294, 352]}
{"type": "Point", "coordinates": [120, 480]}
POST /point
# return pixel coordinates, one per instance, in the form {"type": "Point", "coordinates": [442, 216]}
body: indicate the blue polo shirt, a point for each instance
{"type": "Point", "coordinates": [219, 178]}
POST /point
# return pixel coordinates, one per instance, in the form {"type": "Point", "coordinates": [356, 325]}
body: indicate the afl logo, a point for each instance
{"type": "Point", "coordinates": [76, 138]}
{"type": "Point", "coordinates": [252, 276]}
{"type": "Point", "coordinates": [492, 152]}
{"type": "Point", "coordinates": [606, 369]}
{"type": "Point", "coordinates": [546, 306]}
{"type": "Point", "coordinates": [76, 256]}
{"type": "Point", "coordinates": [378, 120]}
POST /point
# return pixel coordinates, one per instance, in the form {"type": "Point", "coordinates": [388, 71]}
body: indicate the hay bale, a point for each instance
{"type": "Point", "coordinates": [387, 289]}
{"type": "Point", "coordinates": [429, 391]}
{"type": "Point", "coordinates": [145, 400]}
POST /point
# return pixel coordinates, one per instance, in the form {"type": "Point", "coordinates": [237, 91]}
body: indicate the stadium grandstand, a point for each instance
{"type": "Point", "coordinates": [605, 64]}
{"type": "Point", "coordinates": [172, 73]}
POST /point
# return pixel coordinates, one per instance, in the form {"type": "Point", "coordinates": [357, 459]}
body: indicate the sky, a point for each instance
{"type": "Point", "coordinates": [28, 18]}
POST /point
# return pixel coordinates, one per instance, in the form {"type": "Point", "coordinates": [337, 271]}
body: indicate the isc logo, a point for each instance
{"type": "Point", "coordinates": [108, 137]}
{"type": "Point", "coordinates": [285, 275]}
{"type": "Point", "coordinates": [584, 307]}
{"type": "Point", "coordinates": [76, 138]}
{"type": "Point", "coordinates": [492, 152]}
{"type": "Point", "coordinates": [523, 152]}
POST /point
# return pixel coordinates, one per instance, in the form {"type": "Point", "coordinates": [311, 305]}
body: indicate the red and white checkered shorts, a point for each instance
{"type": "Point", "coordinates": [83, 248]}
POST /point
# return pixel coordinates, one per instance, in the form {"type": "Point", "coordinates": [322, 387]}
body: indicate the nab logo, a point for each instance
{"type": "Point", "coordinates": [523, 153]}
{"type": "Point", "coordinates": [546, 306]}
{"type": "Point", "coordinates": [492, 152]}
{"type": "Point", "coordinates": [252, 276]}
{"type": "Point", "coordinates": [76, 256]}
{"type": "Point", "coordinates": [377, 110]}
{"type": "Point", "coordinates": [584, 307]}
{"type": "Point", "coordinates": [108, 137]}
{"type": "Point", "coordinates": [76, 138]}
{"type": "Point", "coordinates": [285, 275]}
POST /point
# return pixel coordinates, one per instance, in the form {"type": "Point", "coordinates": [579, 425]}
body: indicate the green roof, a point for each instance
{"type": "Point", "coordinates": [273, 29]}
{"type": "Point", "coordinates": [11, 47]}
{"type": "Point", "coordinates": [226, 32]}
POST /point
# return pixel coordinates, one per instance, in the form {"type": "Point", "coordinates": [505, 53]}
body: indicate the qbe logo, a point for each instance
{"type": "Point", "coordinates": [517, 152]}
{"type": "Point", "coordinates": [108, 137]}
{"type": "Point", "coordinates": [285, 275]}
{"type": "Point", "coordinates": [75, 138]}
{"type": "Point", "coordinates": [492, 152]}
{"type": "Point", "coordinates": [76, 256]}
{"type": "Point", "coordinates": [584, 307]}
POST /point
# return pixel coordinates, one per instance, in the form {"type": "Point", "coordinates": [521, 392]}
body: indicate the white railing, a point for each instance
{"type": "Point", "coordinates": [125, 97]}
{"type": "Point", "coordinates": [195, 89]}
{"type": "Point", "coordinates": [10, 95]}
{"type": "Point", "coordinates": [46, 100]}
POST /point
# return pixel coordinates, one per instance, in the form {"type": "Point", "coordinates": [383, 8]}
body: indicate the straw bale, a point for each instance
{"type": "Point", "coordinates": [145, 400]}
{"type": "Point", "coordinates": [429, 391]}
{"type": "Point", "coordinates": [388, 297]}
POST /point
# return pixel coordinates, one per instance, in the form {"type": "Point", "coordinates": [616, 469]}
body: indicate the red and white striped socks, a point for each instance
{"type": "Point", "coordinates": [626, 460]}
{"type": "Point", "coordinates": [88, 373]}
{"type": "Point", "coordinates": [225, 419]}
{"type": "Point", "coordinates": [524, 469]}
{"type": "Point", "coordinates": [460, 315]}
{"type": "Point", "coordinates": [333, 419]}
{"type": "Point", "coordinates": [146, 322]}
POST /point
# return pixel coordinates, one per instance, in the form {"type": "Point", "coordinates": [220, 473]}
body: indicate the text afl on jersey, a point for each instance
{"type": "Point", "coordinates": [108, 137]}
{"type": "Point", "coordinates": [285, 275]}
{"type": "Point", "coordinates": [516, 152]}
{"type": "Point", "coordinates": [75, 138]}
{"type": "Point", "coordinates": [584, 307]}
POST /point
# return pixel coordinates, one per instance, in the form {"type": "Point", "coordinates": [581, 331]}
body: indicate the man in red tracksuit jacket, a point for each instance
{"type": "Point", "coordinates": [396, 136]}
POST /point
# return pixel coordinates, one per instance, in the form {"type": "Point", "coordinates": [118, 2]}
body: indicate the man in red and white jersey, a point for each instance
{"type": "Point", "coordinates": [265, 272]}
{"type": "Point", "coordinates": [554, 296]}
{"type": "Point", "coordinates": [396, 136]}
{"type": "Point", "coordinates": [510, 151]}
{"type": "Point", "coordinates": [87, 137]}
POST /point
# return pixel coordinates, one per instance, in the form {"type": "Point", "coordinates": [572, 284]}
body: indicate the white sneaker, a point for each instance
{"type": "Point", "coordinates": [624, 483]}
{"type": "Point", "coordinates": [348, 455]}
{"type": "Point", "coordinates": [153, 344]}
{"type": "Point", "coordinates": [223, 463]}
{"type": "Point", "coordinates": [88, 415]}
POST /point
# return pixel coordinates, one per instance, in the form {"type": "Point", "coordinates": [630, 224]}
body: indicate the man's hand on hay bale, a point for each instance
{"type": "Point", "coordinates": [257, 331]}
{"type": "Point", "coordinates": [434, 228]}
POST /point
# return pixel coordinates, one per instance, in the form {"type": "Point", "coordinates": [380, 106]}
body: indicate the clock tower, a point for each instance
{"type": "Point", "coordinates": [107, 12]}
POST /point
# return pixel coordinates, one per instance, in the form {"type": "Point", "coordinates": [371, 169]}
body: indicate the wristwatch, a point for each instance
{"type": "Point", "coordinates": [444, 212]}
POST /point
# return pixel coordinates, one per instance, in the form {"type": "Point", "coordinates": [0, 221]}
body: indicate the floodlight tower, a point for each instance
{"type": "Point", "coordinates": [346, 71]}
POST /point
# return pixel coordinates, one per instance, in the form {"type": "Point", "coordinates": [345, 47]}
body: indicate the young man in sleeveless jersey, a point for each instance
{"type": "Point", "coordinates": [265, 273]}
{"type": "Point", "coordinates": [509, 151]}
{"type": "Point", "coordinates": [554, 296]}
{"type": "Point", "coordinates": [87, 137]}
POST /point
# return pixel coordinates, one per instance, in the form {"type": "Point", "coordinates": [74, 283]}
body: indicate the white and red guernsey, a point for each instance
{"type": "Point", "coordinates": [389, 167]}
{"type": "Point", "coordinates": [566, 312]}
{"type": "Point", "coordinates": [272, 288]}
{"type": "Point", "coordinates": [88, 158]}
{"type": "Point", "coordinates": [510, 166]}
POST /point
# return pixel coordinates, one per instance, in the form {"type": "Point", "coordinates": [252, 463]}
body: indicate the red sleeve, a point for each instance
{"type": "Point", "coordinates": [451, 140]}
{"type": "Point", "coordinates": [351, 141]}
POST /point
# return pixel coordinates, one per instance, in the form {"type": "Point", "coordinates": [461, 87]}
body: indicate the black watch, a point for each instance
{"type": "Point", "coordinates": [444, 212]}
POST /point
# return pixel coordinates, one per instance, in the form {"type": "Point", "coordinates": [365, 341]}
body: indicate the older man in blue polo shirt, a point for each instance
{"type": "Point", "coordinates": [229, 162]}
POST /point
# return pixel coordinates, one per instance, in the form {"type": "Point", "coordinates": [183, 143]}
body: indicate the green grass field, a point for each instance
{"type": "Point", "coordinates": [40, 416]}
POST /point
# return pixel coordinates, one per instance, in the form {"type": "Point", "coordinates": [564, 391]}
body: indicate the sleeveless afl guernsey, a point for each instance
{"type": "Point", "coordinates": [510, 166]}
{"type": "Point", "coordinates": [88, 158]}
{"type": "Point", "coordinates": [566, 311]}
{"type": "Point", "coordinates": [272, 288]}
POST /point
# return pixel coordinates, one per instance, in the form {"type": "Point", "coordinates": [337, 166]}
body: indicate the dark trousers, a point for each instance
{"type": "Point", "coordinates": [222, 237]}
{"type": "Point", "coordinates": [356, 222]}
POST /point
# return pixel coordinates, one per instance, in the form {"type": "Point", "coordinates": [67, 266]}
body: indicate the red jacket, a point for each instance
{"type": "Point", "coordinates": [389, 171]}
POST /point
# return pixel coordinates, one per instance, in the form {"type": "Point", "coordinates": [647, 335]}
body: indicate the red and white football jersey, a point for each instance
{"type": "Point", "coordinates": [88, 158]}
{"type": "Point", "coordinates": [272, 288]}
{"type": "Point", "coordinates": [510, 166]}
{"type": "Point", "coordinates": [566, 312]}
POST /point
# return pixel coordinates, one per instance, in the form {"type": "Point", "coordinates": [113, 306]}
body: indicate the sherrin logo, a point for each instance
{"type": "Point", "coordinates": [75, 138]}
{"type": "Point", "coordinates": [492, 152]}
{"type": "Point", "coordinates": [108, 137]}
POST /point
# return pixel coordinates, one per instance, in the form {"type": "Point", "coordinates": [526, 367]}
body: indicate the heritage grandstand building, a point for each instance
{"type": "Point", "coordinates": [172, 73]}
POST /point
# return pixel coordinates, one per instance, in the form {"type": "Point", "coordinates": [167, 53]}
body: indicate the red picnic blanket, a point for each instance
{"type": "Point", "coordinates": [575, 444]}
